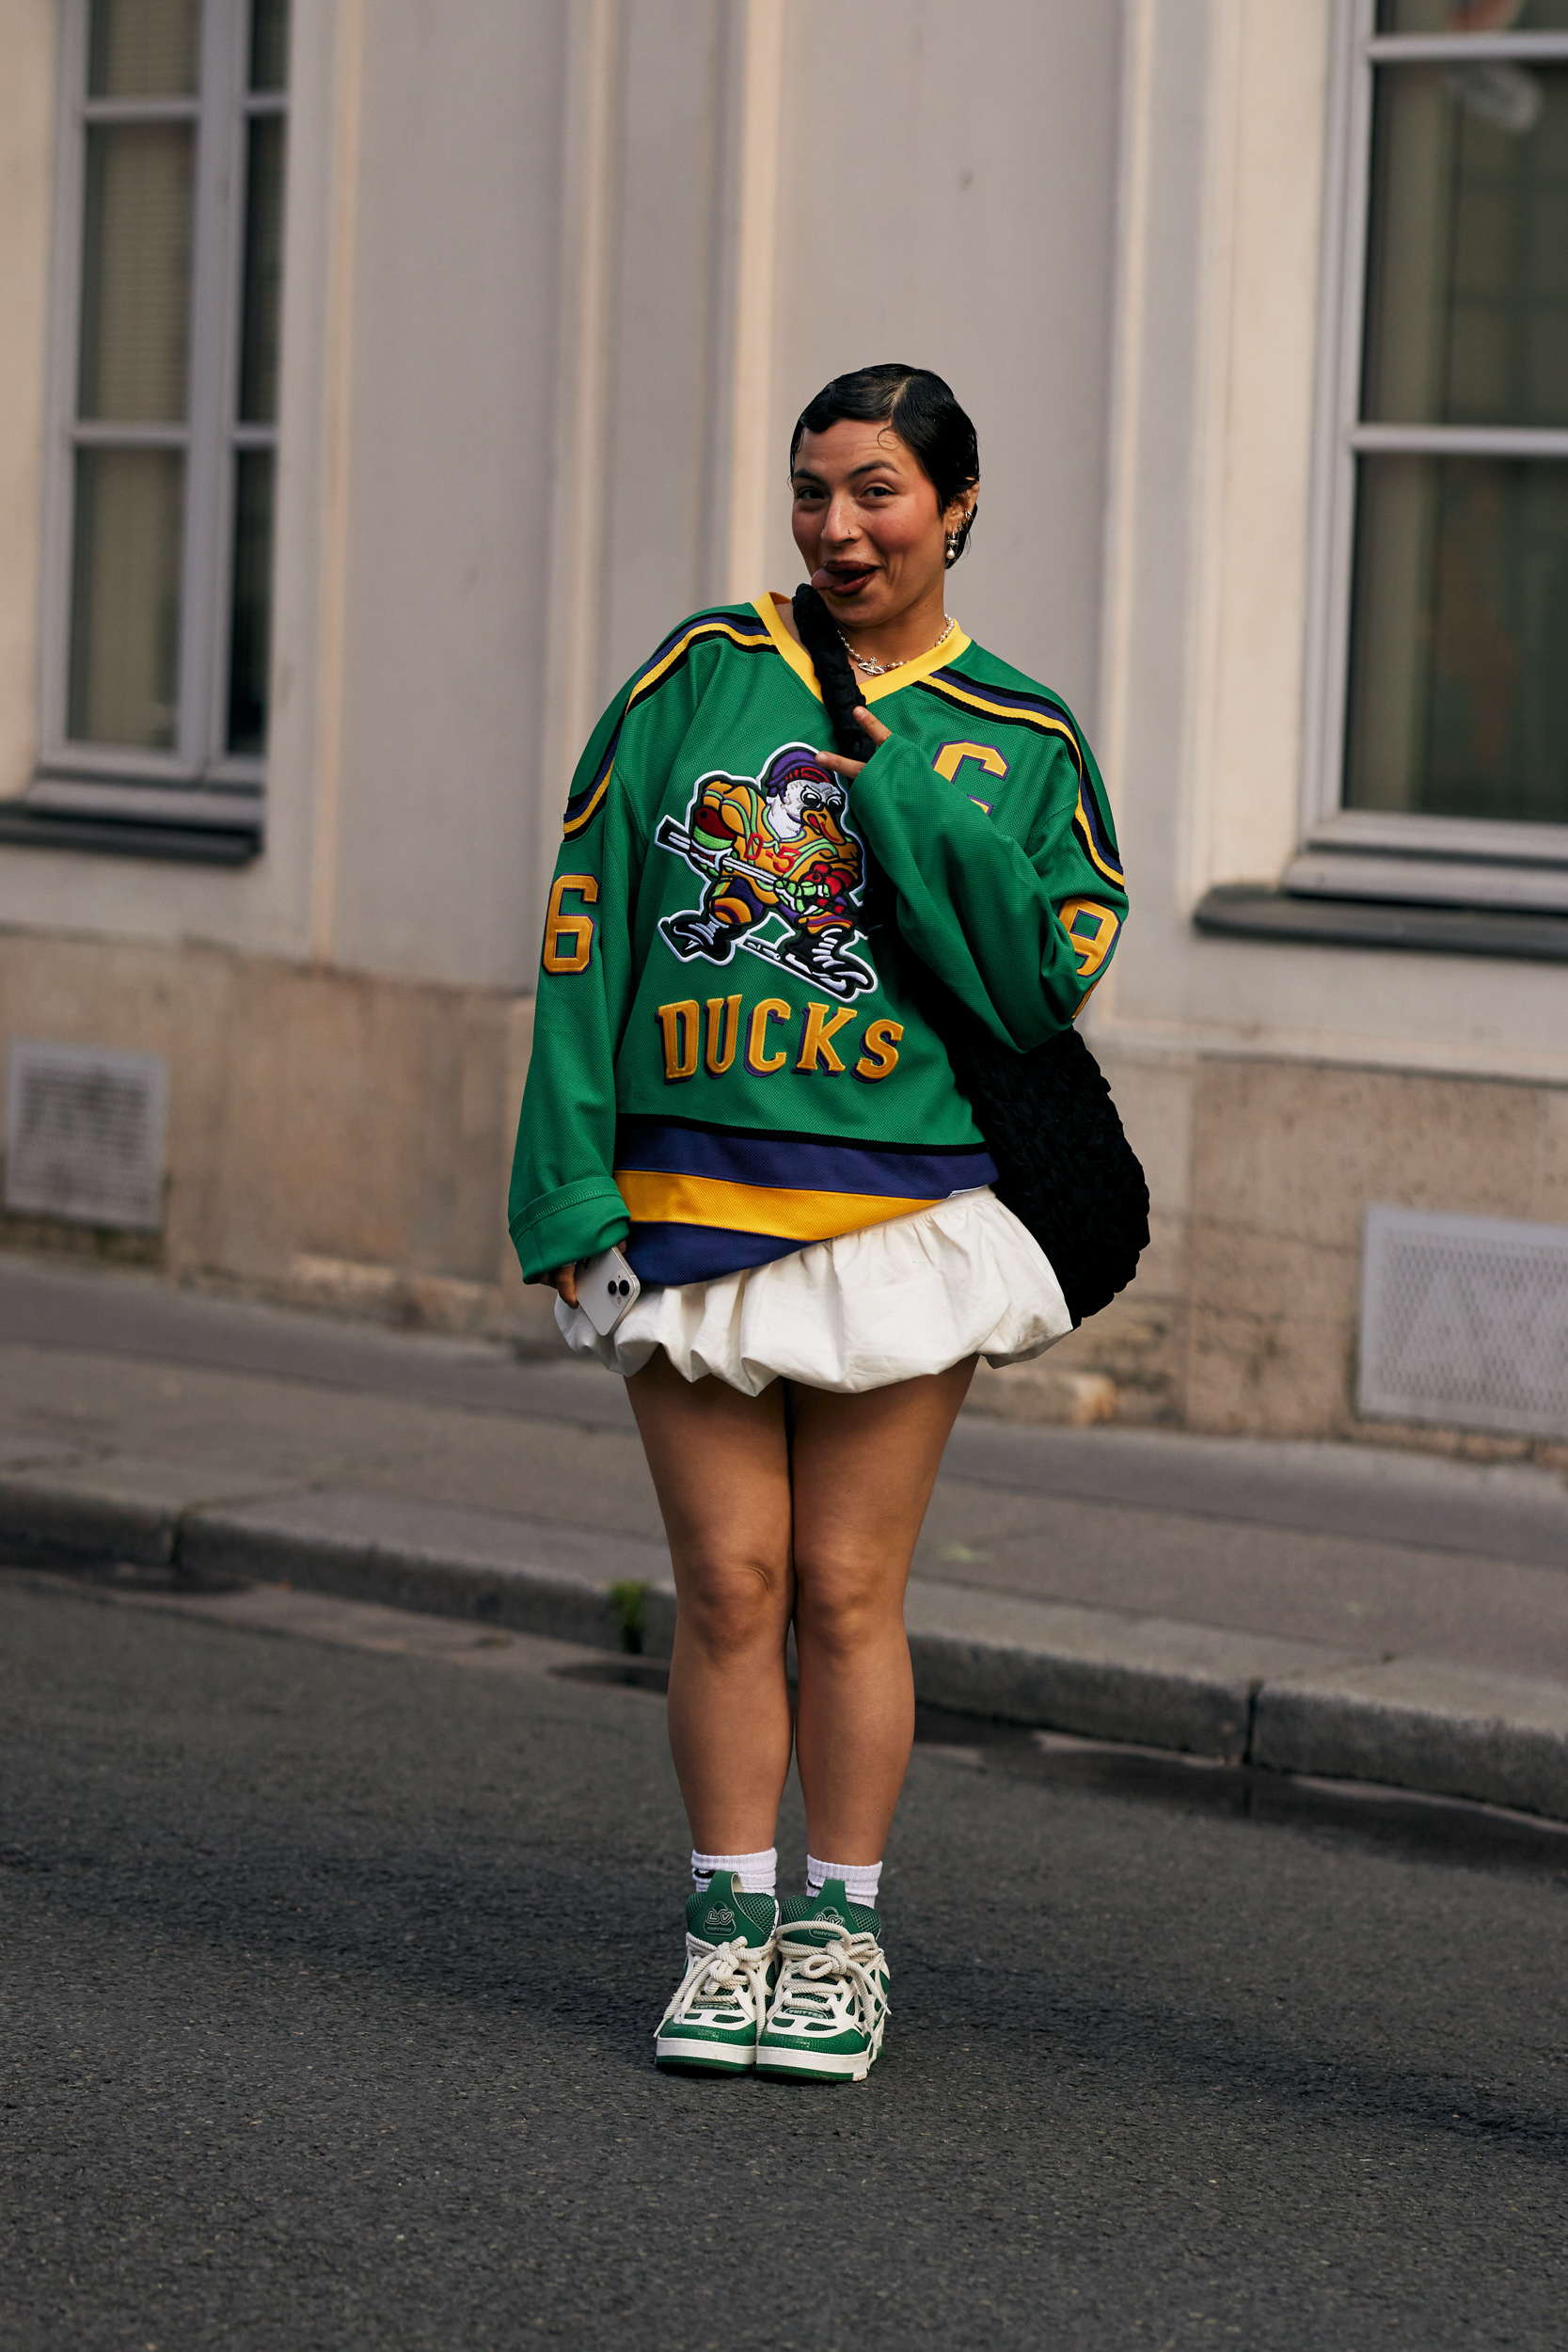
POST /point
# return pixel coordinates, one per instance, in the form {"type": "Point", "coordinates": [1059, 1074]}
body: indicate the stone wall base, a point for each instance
{"type": "Point", "coordinates": [1244, 1315]}
{"type": "Point", "coordinates": [334, 1138]}
{"type": "Point", "coordinates": [343, 1141]}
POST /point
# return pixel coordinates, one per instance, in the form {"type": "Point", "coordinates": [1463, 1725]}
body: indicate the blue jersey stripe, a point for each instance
{"type": "Point", "coordinates": [1018, 697]}
{"type": "Point", "coordinates": [666, 1256]}
{"type": "Point", "coordinates": [1042, 716]}
{"type": "Point", "coordinates": [797, 1164]}
{"type": "Point", "coordinates": [1102, 848]}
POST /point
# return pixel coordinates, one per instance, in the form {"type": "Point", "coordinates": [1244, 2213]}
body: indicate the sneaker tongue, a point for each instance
{"type": "Point", "coordinates": [830, 1909]}
{"type": "Point", "coordinates": [724, 1913]}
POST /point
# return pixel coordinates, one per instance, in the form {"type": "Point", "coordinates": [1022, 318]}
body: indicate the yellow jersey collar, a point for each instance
{"type": "Point", "coordinates": [871, 689]}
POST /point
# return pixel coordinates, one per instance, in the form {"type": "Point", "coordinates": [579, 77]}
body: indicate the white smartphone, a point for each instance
{"type": "Point", "coordinates": [606, 1288]}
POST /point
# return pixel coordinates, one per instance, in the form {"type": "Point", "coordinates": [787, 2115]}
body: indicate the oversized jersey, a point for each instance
{"type": "Point", "coordinates": [730, 1062]}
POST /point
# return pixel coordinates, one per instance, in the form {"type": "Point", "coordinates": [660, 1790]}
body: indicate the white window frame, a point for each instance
{"type": "Point", "coordinates": [1365, 852]}
{"type": "Point", "coordinates": [198, 782]}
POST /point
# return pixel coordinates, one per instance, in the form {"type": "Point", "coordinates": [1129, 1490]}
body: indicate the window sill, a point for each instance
{"type": "Point", "coordinates": [26, 828]}
{"type": "Point", "coordinates": [1253, 911]}
{"type": "Point", "coordinates": [1481, 883]}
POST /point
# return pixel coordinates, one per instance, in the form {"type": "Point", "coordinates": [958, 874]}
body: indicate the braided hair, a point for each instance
{"type": "Point", "coordinates": [841, 696]}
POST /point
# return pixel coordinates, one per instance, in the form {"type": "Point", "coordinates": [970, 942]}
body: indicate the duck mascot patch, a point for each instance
{"type": "Point", "coordinates": [783, 871]}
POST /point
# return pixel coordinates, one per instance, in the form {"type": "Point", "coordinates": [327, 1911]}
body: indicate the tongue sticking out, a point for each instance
{"type": "Point", "coordinates": [839, 580]}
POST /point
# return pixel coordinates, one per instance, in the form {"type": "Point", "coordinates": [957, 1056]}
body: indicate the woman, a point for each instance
{"type": "Point", "coordinates": [733, 1076]}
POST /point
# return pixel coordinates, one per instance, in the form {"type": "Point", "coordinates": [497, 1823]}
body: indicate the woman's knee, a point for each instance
{"type": "Point", "coordinates": [844, 1607]}
{"type": "Point", "coordinates": [735, 1604]}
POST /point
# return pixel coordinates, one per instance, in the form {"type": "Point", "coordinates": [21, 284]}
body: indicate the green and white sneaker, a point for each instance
{"type": "Point", "coordinates": [720, 2001]}
{"type": "Point", "coordinates": [830, 2006]}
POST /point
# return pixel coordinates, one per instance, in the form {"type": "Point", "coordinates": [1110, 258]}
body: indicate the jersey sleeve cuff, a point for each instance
{"type": "Point", "coordinates": [561, 1227]}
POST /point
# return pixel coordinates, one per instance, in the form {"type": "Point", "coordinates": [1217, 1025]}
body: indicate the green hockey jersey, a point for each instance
{"type": "Point", "coordinates": [729, 1061]}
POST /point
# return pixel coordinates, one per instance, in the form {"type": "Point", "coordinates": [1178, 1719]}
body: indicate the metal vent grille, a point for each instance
{"type": "Point", "coordinates": [1465, 1320]}
{"type": "Point", "coordinates": [84, 1134]}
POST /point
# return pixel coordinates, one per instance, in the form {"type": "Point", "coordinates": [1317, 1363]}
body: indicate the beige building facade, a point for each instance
{"type": "Point", "coordinates": [556, 276]}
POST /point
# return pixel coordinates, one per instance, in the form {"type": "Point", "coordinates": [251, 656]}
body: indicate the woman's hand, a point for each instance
{"type": "Point", "coordinates": [564, 1280]}
{"type": "Point", "coordinates": [850, 769]}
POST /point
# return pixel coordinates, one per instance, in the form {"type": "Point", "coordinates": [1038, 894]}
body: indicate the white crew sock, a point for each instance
{"type": "Point", "coordinates": [757, 1873]}
{"type": "Point", "coordinates": [861, 1878]}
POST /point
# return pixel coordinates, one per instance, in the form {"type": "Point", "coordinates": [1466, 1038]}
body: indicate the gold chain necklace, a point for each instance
{"type": "Point", "coordinates": [880, 669]}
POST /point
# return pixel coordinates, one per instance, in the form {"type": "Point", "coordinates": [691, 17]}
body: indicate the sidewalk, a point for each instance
{"type": "Point", "coordinates": [1328, 1609]}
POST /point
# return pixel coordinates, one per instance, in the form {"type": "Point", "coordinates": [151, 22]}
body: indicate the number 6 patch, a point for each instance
{"type": "Point", "coordinates": [568, 937]}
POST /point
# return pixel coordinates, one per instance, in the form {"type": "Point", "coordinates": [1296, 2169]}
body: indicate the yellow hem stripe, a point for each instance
{"type": "Point", "coordinates": [871, 689]}
{"type": "Point", "coordinates": [658, 1199]}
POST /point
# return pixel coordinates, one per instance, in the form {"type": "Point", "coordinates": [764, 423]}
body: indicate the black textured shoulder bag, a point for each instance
{"type": "Point", "coordinates": [1064, 1168]}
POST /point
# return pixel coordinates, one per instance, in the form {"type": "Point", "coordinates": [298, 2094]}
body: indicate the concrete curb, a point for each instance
{"type": "Point", "coordinates": [1241, 1698]}
{"type": "Point", "coordinates": [1421, 1723]}
{"type": "Point", "coordinates": [442, 1562]}
{"type": "Point", "coordinates": [1152, 1680]}
{"type": "Point", "coordinates": [133, 1510]}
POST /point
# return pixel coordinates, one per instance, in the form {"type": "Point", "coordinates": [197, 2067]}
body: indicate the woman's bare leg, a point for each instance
{"type": "Point", "coordinates": [720, 1467]}
{"type": "Point", "coordinates": [863, 1469]}
{"type": "Point", "coordinates": [752, 1538]}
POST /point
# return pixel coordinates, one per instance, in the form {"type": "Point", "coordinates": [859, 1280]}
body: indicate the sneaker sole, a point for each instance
{"type": "Point", "coordinates": [705, 2057]}
{"type": "Point", "coordinates": [816, 2066]}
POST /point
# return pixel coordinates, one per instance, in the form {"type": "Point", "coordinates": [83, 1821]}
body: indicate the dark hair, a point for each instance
{"type": "Point", "coordinates": [922, 411]}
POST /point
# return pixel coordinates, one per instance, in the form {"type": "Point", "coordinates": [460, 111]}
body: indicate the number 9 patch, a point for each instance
{"type": "Point", "coordinates": [1092, 930]}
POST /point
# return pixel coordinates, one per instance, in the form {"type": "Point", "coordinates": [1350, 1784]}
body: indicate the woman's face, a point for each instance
{"type": "Point", "coordinates": [867, 523]}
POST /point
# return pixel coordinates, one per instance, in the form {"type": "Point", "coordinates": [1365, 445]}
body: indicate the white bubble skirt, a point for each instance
{"type": "Point", "coordinates": [887, 1303]}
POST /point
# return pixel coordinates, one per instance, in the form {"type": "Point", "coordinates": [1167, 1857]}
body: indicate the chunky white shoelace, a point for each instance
{"type": "Point", "coordinates": [732, 1975]}
{"type": "Point", "coordinates": [830, 1987]}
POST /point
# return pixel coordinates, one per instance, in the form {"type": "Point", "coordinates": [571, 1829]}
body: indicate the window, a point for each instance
{"type": "Point", "coordinates": [158, 524]}
{"type": "Point", "coordinates": [1437, 741]}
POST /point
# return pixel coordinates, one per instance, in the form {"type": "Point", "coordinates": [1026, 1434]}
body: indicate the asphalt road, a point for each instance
{"type": "Point", "coordinates": [329, 1980]}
